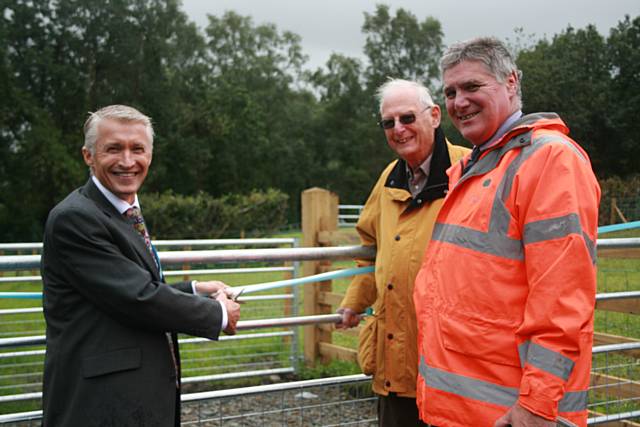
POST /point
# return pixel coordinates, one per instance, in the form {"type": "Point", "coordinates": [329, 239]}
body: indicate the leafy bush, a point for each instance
{"type": "Point", "coordinates": [257, 213]}
{"type": "Point", "coordinates": [174, 216]}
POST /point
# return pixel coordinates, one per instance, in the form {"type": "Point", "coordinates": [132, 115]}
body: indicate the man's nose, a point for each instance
{"type": "Point", "coordinates": [460, 101]}
{"type": "Point", "coordinates": [398, 126]}
{"type": "Point", "coordinates": [126, 159]}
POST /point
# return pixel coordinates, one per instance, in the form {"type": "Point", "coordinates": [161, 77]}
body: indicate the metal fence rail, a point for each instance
{"type": "Point", "coordinates": [348, 215]}
{"type": "Point", "coordinates": [273, 352]}
{"type": "Point", "coordinates": [37, 246]}
{"type": "Point", "coordinates": [32, 262]}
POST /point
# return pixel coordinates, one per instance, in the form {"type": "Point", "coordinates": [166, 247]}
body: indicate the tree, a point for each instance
{"type": "Point", "coordinates": [401, 46]}
{"type": "Point", "coordinates": [62, 59]}
{"type": "Point", "coordinates": [623, 54]}
{"type": "Point", "coordinates": [245, 127]}
{"type": "Point", "coordinates": [570, 76]}
{"type": "Point", "coordinates": [349, 148]}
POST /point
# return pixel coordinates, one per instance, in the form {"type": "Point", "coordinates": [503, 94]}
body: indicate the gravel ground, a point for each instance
{"type": "Point", "coordinates": [336, 405]}
{"type": "Point", "coordinates": [331, 405]}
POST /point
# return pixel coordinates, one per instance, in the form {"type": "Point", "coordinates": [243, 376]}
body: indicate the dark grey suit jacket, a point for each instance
{"type": "Point", "coordinates": [108, 360]}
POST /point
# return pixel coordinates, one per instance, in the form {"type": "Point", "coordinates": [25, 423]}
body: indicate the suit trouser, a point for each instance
{"type": "Point", "coordinates": [394, 411]}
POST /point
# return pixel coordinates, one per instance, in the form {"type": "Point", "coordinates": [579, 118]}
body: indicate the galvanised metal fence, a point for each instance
{"type": "Point", "coordinates": [348, 215]}
{"type": "Point", "coordinates": [251, 354]}
{"type": "Point", "coordinates": [614, 392]}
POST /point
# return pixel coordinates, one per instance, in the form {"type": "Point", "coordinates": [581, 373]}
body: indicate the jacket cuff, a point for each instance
{"type": "Point", "coordinates": [541, 395]}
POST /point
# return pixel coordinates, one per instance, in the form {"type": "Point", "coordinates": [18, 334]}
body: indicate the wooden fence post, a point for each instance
{"type": "Point", "coordinates": [319, 219]}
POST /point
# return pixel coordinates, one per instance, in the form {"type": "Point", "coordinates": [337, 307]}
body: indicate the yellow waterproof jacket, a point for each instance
{"type": "Point", "coordinates": [505, 297]}
{"type": "Point", "coordinates": [400, 227]}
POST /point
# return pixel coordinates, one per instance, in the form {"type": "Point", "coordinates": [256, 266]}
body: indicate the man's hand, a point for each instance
{"type": "Point", "coordinates": [210, 288]}
{"type": "Point", "coordinates": [349, 319]}
{"type": "Point", "coordinates": [518, 416]}
{"type": "Point", "coordinates": [233, 312]}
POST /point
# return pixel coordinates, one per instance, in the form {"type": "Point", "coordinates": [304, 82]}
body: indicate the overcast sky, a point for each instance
{"type": "Point", "coordinates": [328, 26]}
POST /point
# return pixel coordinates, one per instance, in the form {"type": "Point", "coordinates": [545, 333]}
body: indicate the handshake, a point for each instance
{"type": "Point", "coordinates": [227, 298]}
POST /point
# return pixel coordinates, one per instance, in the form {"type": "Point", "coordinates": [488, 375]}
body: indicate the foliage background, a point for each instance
{"type": "Point", "coordinates": [236, 113]}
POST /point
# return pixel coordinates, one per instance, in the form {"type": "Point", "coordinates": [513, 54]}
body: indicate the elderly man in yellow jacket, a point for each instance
{"type": "Point", "coordinates": [398, 219]}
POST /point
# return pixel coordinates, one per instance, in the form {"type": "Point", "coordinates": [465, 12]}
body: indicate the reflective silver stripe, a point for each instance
{"type": "Point", "coordinates": [485, 391]}
{"type": "Point", "coordinates": [468, 387]}
{"type": "Point", "coordinates": [546, 360]}
{"type": "Point", "coordinates": [523, 349]}
{"type": "Point", "coordinates": [573, 401]}
{"type": "Point", "coordinates": [555, 228]}
{"type": "Point", "coordinates": [552, 228]}
{"type": "Point", "coordinates": [489, 243]}
{"type": "Point", "coordinates": [491, 159]}
{"type": "Point", "coordinates": [527, 151]}
{"type": "Point", "coordinates": [504, 189]}
{"type": "Point", "coordinates": [591, 247]}
{"type": "Point", "coordinates": [547, 139]}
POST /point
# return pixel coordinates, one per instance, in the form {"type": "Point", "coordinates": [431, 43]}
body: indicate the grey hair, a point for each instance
{"type": "Point", "coordinates": [115, 112]}
{"type": "Point", "coordinates": [424, 96]}
{"type": "Point", "coordinates": [488, 50]}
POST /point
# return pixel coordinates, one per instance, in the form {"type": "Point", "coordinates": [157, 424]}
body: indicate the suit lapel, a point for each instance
{"type": "Point", "coordinates": [137, 242]}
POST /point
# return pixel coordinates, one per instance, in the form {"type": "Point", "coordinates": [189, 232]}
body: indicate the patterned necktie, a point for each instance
{"type": "Point", "coordinates": [475, 154]}
{"type": "Point", "coordinates": [135, 218]}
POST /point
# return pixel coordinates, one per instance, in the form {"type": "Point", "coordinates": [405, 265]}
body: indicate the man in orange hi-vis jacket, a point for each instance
{"type": "Point", "coordinates": [506, 293]}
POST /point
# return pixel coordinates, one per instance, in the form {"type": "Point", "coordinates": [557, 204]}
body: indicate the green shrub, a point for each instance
{"type": "Point", "coordinates": [257, 213]}
{"type": "Point", "coordinates": [175, 216]}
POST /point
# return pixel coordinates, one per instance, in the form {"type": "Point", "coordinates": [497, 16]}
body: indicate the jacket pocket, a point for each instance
{"type": "Point", "coordinates": [113, 361]}
{"type": "Point", "coordinates": [480, 338]}
{"type": "Point", "coordinates": [367, 345]}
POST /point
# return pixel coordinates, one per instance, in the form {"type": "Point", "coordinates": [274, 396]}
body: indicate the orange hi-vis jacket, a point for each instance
{"type": "Point", "coordinates": [505, 295]}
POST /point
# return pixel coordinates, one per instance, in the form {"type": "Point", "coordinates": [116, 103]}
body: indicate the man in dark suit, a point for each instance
{"type": "Point", "coordinates": [112, 354]}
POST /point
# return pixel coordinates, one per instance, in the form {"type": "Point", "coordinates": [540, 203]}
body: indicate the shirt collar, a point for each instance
{"type": "Point", "coordinates": [424, 167]}
{"type": "Point", "coordinates": [117, 202]}
{"type": "Point", "coordinates": [506, 125]}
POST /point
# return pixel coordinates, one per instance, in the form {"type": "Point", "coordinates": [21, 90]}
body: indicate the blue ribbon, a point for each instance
{"type": "Point", "coordinates": [331, 275]}
{"type": "Point", "coordinates": [618, 227]}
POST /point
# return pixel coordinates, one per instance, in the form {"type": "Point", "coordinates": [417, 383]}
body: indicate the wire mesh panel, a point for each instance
{"type": "Point", "coordinates": [615, 376]}
{"type": "Point", "coordinates": [249, 354]}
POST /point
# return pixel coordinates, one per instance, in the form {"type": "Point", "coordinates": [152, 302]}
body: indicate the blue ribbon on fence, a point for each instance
{"type": "Point", "coordinates": [618, 227]}
{"type": "Point", "coordinates": [21, 295]}
{"type": "Point", "coordinates": [330, 275]}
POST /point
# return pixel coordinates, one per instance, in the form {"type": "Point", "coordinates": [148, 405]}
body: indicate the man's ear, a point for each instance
{"type": "Point", "coordinates": [512, 83]}
{"type": "Point", "coordinates": [88, 158]}
{"type": "Point", "coordinates": [436, 115]}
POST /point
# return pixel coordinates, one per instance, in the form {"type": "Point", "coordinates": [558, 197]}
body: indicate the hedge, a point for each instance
{"type": "Point", "coordinates": [174, 216]}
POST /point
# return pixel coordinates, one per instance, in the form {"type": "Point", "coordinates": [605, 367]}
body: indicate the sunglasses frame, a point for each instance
{"type": "Point", "coordinates": [405, 119]}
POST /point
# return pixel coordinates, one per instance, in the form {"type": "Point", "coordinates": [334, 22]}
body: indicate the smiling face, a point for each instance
{"type": "Point", "coordinates": [413, 141]}
{"type": "Point", "coordinates": [477, 102]}
{"type": "Point", "coordinates": [122, 157]}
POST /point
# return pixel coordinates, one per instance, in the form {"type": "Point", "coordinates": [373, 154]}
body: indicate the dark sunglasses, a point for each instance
{"type": "Point", "coordinates": [405, 119]}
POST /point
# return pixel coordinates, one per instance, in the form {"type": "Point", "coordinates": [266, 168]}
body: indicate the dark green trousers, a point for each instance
{"type": "Point", "coordinates": [394, 411]}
